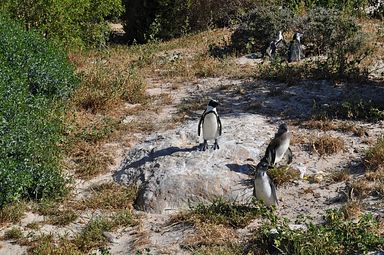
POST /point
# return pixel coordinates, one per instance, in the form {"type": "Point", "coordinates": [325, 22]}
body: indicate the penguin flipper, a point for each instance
{"type": "Point", "coordinates": [270, 154]}
{"type": "Point", "coordinates": [219, 123]}
{"type": "Point", "coordinates": [201, 121]}
{"type": "Point", "coordinates": [290, 155]}
{"type": "Point", "coordinates": [273, 189]}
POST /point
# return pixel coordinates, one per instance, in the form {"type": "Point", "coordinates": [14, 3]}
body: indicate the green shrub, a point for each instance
{"type": "Point", "coordinates": [165, 19]}
{"type": "Point", "coordinates": [353, 109]}
{"type": "Point", "coordinates": [35, 78]}
{"type": "Point", "coordinates": [338, 235]}
{"type": "Point", "coordinates": [354, 7]}
{"type": "Point", "coordinates": [335, 39]}
{"type": "Point", "coordinates": [70, 23]}
{"type": "Point", "coordinates": [259, 26]}
{"type": "Point", "coordinates": [340, 38]}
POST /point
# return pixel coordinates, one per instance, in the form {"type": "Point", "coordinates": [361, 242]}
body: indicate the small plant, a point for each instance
{"type": "Point", "coordinates": [110, 196]}
{"type": "Point", "coordinates": [361, 188]}
{"type": "Point", "coordinates": [12, 213]}
{"type": "Point", "coordinates": [63, 217]}
{"type": "Point", "coordinates": [283, 174]}
{"type": "Point", "coordinates": [14, 233]}
{"type": "Point", "coordinates": [327, 145]}
{"type": "Point", "coordinates": [226, 249]}
{"type": "Point", "coordinates": [56, 216]}
{"type": "Point", "coordinates": [46, 244]}
{"type": "Point", "coordinates": [374, 159]}
{"type": "Point", "coordinates": [352, 209]}
{"type": "Point", "coordinates": [340, 176]}
{"type": "Point", "coordinates": [222, 212]}
{"type": "Point", "coordinates": [33, 225]}
{"type": "Point", "coordinates": [92, 235]}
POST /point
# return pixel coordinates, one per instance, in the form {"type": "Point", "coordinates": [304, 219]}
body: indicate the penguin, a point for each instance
{"type": "Point", "coordinates": [279, 146]}
{"type": "Point", "coordinates": [263, 188]}
{"type": "Point", "coordinates": [211, 125]}
{"type": "Point", "coordinates": [271, 49]}
{"type": "Point", "coordinates": [295, 52]}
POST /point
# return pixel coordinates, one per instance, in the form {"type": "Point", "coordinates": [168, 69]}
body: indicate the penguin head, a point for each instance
{"type": "Point", "coordinates": [297, 36]}
{"type": "Point", "coordinates": [280, 36]}
{"type": "Point", "coordinates": [282, 128]}
{"type": "Point", "coordinates": [213, 103]}
{"type": "Point", "coordinates": [263, 165]}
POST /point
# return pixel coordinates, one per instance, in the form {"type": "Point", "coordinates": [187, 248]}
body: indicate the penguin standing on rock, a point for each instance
{"type": "Point", "coordinates": [264, 189]}
{"type": "Point", "coordinates": [279, 146]}
{"type": "Point", "coordinates": [211, 125]}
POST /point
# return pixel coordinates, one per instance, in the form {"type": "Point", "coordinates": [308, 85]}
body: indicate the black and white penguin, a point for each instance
{"type": "Point", "coordinates": [279, 146]}
{"type": "Point", "coordinates": [271, 49]}
{"type": "Point", "coordinates": [211, 124]}
{"type": "Point", "coordinates": [263, 188]}
{"type": "Point", "coordinates": [295, 52]}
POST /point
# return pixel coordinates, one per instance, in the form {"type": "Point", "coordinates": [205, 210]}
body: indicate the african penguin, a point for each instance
{"type": "Point", "coordinates": [264, 189]}
{"type": "Point", "coordinates": [271, 49]}
{"type": "Point", "coordinates": [279, 146]}
{"type": "Point", "coordinates": [295, 52]}
{"type": "Point", "coordinates": [211, 124]}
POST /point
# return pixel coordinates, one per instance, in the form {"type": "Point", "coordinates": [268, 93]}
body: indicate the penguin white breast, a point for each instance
{"type": "Point", "coordinates": [263, 191]}
{"type": "Point", "coordinates": [210, 127]}
{"type": "Point", "coordinates": [280, 150]}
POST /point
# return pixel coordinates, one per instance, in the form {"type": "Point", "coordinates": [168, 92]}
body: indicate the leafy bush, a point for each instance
{"type": "Point", "coordinates": [70, 23]}
{"type": "Point", "coordinates": [337, 235]}
{"type": "Point", "coordinates": [35, 77]}
{"type": "Point", "coordinates": [259, 27]}
{"type": "Point", "coordinates": [354, 110]}
{"type": "Point", "coordinates": [340, 38]}
{"type": "Point", "coordinates": [165, 19]}
{"type": "Point", "coordinates": [334, 38]}
{"type": "Point", "coordinates": [354, 7]}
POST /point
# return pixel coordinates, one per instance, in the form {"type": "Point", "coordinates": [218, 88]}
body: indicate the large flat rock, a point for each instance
{"type": "Point", "coordinates": [172, 173]}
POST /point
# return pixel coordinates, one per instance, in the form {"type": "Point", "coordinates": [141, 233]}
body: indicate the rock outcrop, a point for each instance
{"type": "Point", "coordinates": [172, 173]}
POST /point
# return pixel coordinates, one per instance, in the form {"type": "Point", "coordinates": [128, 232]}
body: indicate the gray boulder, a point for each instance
{"type": "Point", "coordinates": [172, 173]}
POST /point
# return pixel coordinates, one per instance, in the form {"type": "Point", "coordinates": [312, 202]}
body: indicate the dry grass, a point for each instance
{"type": "Point", "coordinates": [327, 125]}
{"type": "Point", "coordinates": [361, 188]}
{"type": "Point", "coordinates": [13, 233]}
{"type": "Point", "coordinates": [63, 217]}
{"type": "Point", "coordinates": [12, 213]}
{"type": "Point", "coordinates": [225, 249]}
{"type": "Point", "coordinates": [47, 244]}
{"type": "Point", "coordinates": [374, 159]}
{"type": "Point", "coordinates": [352, 209]}
{"type": "Point", "coordinates": [283, 175]}
{"type": "Point", "coordinates": [211, 234]}
{"type": "Point", "coordinates": [109, 196]}
{"type": "Point", "coordinates": [341, 176]}
{"type": "Point", "coordinates": [220, 212]}
{"type": "Point", "coordinates": [327, 145]}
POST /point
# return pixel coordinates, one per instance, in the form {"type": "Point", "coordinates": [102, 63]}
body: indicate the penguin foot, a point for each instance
{"type": "Point", "coordinates": [205, 146]}
{"type": "Point", "coordinates": [216, 146]}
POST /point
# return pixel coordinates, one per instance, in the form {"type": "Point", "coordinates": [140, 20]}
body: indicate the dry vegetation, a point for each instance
{"type": "Point", "coordinates": [283, 175]}
{"type": "Point", "coordinates": [327, 145]}
{"type": "Point", "coordinates": [327, 125]}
